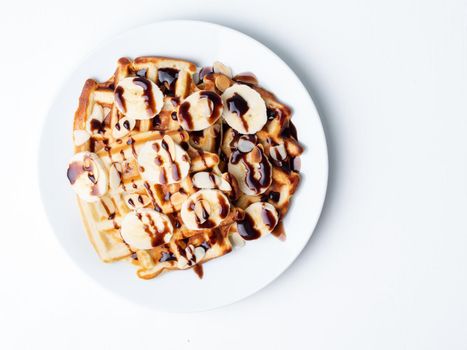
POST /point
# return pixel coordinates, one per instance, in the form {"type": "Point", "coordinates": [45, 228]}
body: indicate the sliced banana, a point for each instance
{"type": "Point", "coordinates": [138, 98]}
{"type": "Point", "coordinates": [87, 176]}
{"type": "Point", "coordinates": [200, 110]}
{"type": "Point", "coordinates": [146, 228]}
{"type": "Point", "coordinates": [163, 161]}
{"type": "Point", "coordinates": [244, 109]}
{"type": "Point", "coordinates": [205, 209]}
{"type": "Point", "coordinates": [260, 219]}
{"type": "Point", "coordinates": [252, 170]}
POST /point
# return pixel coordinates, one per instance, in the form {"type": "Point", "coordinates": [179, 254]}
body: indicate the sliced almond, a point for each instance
{"type": "Point", "coordinates": [222, 82]}
{"type": "Point", "coordinates": [204, 180]}
{"type": "Point", "coordinates": [95, 119]}
{"type": "Point", "coordinates": [224, 185]}
{"type": "Point", "coordinates": [80, 137]}
{"type": "Point", "coordinates": [97, 112]}
{"type": "Point", "coordinates": [246, 78]}
{"type": "Point", "coordinates": [219, 67]}
{"type": "Point", "coordinates": [244, 145]}
{"type": "Point", "coordinates": [106, 110]}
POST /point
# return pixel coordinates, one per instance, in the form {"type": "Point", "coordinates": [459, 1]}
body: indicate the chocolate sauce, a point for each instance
{"type": "Point", "coordinates": [205, 245]}
{"type": "Point", "coordinates": [175, 222]}
{"type": "Point", "coordinates": [163, 177]}
{"type": "Point", "coordinates": [289, 130]}
{"type": "Point", "coordinates": [217, 104]}
{"type": "Point", "coordinates": [151, 196]}
{"type": "Point", "coordinates": [237, 104]}
{"type": "Point", "coordinates": [246, 228]}
{"type": "Point", "coordinates": [224, 210]}
{"type": "Point", "coordinates": [96, 125]}
{"type": "Point", "coordinates": [158, 160]}
{"type": "Point", "coordinates": [176, 175]}
{"type": "Point", "coordinates": [274, 196]}
{"type": "Point", "coordinates": [268, 218]}
{"type": "Point", "coordinates": [156, 122]}
{"type": "Point", "coordinates": [205, 71]}
{"type": "Point", "coordinates": [263, 167]}
{"type": "Point", "coordinates": [167, 256]}
{"type": "Point", "coordinates": [166, 79]}
{"type": "Point", "coordinates": [119, 99]}
{"type": "Point", "coordinates": [142, 73]}
{"type": "Point", "coordinates": [174, 116]}
{"type": "Point", "coordinates": [271, 113]}
{"type": "Point", "coordinates": [131, 202]}
{"type": "Point", "coordinates": [198, 269]}
{"type": "Point", "coordinates": [145, 84]}
{"type": "Point", "coordinates": [184, 145]}
{"type": "Point", "coordinates": [157, 237]}
{"type": "Point", "coordinates": [184, 114]}
{"type": "Point", "coordinates": [279, 232]}
{"type": "Point", "coordinates": [196, 136]}
{"type": "Point", "coordinates": [131, 142]}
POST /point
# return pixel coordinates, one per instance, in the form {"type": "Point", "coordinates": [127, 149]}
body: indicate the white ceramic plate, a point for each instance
{"type": "Point", "coordinates": [240, 273]}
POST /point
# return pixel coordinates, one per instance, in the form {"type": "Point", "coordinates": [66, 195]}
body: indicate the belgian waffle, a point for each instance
{"type": "Point", "coordinates": [174, 165]}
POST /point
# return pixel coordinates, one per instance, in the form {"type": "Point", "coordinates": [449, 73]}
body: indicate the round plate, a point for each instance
{"type": "Point", "coordinates": [245, 270]}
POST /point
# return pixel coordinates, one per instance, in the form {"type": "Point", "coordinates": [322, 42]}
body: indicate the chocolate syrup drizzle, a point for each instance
{"type": "Point", "coordinates": [167, 79]}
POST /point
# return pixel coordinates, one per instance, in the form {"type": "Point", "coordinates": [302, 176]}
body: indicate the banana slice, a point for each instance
{"type": "Point", "coordinates": [87, 176]}
{"type": "Point", "coordinates": [205, 209]}
{"type": "Point", "coordinates": [260, 219]}
{"type": "Point", "coordinates": [163, 161]}
{"type": "Point", "coordinates": [251, 169]}
{"type": "Point", "coordinates": [245, 110]}
{"type": "Point", "coordinates": [138, 98]}
{"type": "Point", "coordinates": [146, 228]}
{"type": "Point", "coordinates": [200, 110]}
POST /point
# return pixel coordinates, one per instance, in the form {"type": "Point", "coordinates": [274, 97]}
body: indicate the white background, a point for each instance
{"type": "Point", "coordinates": [387, 265]}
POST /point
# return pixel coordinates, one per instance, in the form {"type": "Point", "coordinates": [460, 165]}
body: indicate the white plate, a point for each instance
{"type": "Point", "coordinates": [240, 273]}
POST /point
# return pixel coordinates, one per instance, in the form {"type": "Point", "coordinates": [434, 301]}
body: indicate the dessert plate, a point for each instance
{"type": "Point", "coordinates": [245, 270]}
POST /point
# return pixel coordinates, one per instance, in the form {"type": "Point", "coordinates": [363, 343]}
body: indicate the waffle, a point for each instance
{"type": "Point", "coordinates": [175, 165]}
